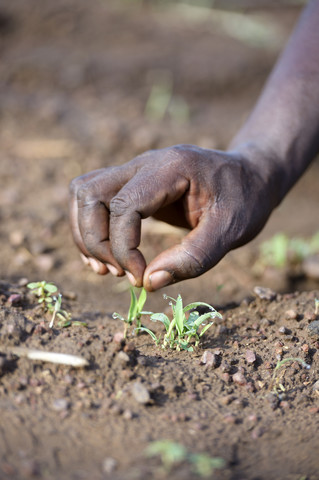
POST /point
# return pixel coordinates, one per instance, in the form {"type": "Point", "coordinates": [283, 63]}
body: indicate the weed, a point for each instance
{"type": "Point", "coordinates": [173, 453]}
{"type": "Point", "coordinates": [53, 304]}
{"type": "Point", "coordinates": [182, 328]}
{"type": "Point", "coordinates": [135, 311]}
{"type": "Point", "coordinates": [275, 383]}
{"type": "Point", "coordinates": [280, 250]}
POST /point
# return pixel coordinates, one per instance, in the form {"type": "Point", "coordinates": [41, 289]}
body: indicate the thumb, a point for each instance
{"type": "Point", "coordinates": [199, 251]}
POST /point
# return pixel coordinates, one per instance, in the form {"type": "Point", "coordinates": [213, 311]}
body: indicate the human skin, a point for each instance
{"type": "Point", "coordinates": [223, 198]}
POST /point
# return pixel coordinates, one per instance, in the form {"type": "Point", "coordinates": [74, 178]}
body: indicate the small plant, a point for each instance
{"type": "Point", "coordinates": [173, 453]}
{"type": "Point", "coordinates": [275, 382]}
{"type": "Point", "coordinates": [53, 304]}
{"type": "Point", "coordinates": [44, 291]}
{"type": "Point", "coordinates": [135, 311]}
{"type": "Point", "coordinates": [280, 250]}
{"type": "Point", "coordinates": [182, 328]}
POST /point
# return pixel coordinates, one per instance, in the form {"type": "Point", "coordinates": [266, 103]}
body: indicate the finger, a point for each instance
{"type": "Point", "coordinates": [199, 251]}
{"type": "Point", "coordinates": [141, 197]}
{"type": "Point", "coordinates": [93, 198]}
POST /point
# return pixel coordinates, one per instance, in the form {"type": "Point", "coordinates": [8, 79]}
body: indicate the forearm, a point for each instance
{"type": "Point", "coordinates": [284, 125]}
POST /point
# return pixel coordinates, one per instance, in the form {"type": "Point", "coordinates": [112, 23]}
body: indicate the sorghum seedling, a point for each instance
{"type": "Point", "coordinates": [43, 290]}
{"type": "Point", "coordinates": [135, 311]}
{"type": "Point", "coordinates": [182, 329]}
{"type": "Point", "coordinates": [275, 381]}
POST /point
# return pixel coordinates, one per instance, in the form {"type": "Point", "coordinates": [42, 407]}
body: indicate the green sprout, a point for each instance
{"type": "Point", "coordinates": [182, 328]}
{"type": "Point", "coordinates": [53, 304]}
{"type": "Point", "coordinates": [275, 380]}
{"type": "Point", "coordinates": [173, 453]}
{"type": "Point", "coordinates": [43, 290]}
{"type": "Point", "coordinates": [135, 311]}
{"type": "Point", "coordinates": [280, 250]}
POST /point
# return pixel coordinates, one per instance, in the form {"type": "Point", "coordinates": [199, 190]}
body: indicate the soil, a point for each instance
{"type": "Point", "coordinates": [76, 77]}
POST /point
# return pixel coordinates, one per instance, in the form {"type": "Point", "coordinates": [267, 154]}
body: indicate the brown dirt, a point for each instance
{"type": "Point", "coordinates": [75, 80]}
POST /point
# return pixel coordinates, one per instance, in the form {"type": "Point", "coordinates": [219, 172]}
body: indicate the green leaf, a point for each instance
{"type": "Point", "coordinates": [161, 317]}
{"type": "Point", "coordinates": [179, 315]}
{"type": "Point", "coordinates": [33, 285]}
{"type": "Point", "coordinates": [205, 329]}
{"type": "Point", "coordinates": [202, 319]}
{"type": "Point", "coordinates": [170, 452]}
{"type": "Point", "coordinates": [77, 323]}
{"type": "Point", "coordinates": [50, 287]}
{"type": "Point", "coordinates": [147, 330]}
{"type": "Point", "coordinates": [141, 301]}
{"type": "Point", "coordinates": [205, 465]}
{"type": "Point", "coordinates": [133, 307]}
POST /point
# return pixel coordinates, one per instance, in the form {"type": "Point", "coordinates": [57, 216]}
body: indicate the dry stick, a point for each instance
{"type": "Point", "coordinates": [53, 357]}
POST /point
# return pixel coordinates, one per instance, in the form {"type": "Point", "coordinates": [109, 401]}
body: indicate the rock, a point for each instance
{"type": "Point", "coordinates": [283, 330]}
{"type": "Point", "coordinates": [313, 328]}
{"type": "Point", "coordinates": [15, 299]}
{"type": "Point", "coordinates": [123, 357]}
{"type": "Point", "coordinates": [140, 393]}
{"type": "Point", "coordinates": [109, 465]}
{"type": "Point", "coordinates": [250, 356]}
{"type": "Point", "coordinates": [60, 404]}
{"type": "Point", "coordinates": [239, 378]}
{"type": "Point", "coordinates": [257, 432]}
{"type": "Point", "coordinates": [118, 337]}
{"type": "Point", "coordinates": [291, 314]}
{"type": "Point", "coordinates": [265, 293]}
{"type": "Point", "coordinates": [209, 359]}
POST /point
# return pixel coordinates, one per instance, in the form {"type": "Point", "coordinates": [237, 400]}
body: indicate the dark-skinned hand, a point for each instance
{"type": "Point", "coordinates": [219, 196]}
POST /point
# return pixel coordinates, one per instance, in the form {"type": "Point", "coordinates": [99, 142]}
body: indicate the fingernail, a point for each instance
{"type": "Point", "coordinates": [160, 279]}
{"type": "Point", "coordinates": [84, 259]}
{"type": "Point", "coordinates": [113, 270]}
{"type": "Point", "coordinates": [96, 266]}
{"type": "Point", "coordinates": [131, 278]}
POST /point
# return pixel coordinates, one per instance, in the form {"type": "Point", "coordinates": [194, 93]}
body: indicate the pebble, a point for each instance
{"type": "Point", "coordinates": [239, 378]}
{"type": "Point", "coordinates": [60, 404]}
{"type": "Point", "coordinates": [283, 330]}
{"type": "Point", "coordinates": [118, 337]}
{"type": "Point", "coordinates": [15, 299]}
{"type": "Point", "coordinates": [257, 432]}
{"type": "Point", "coordinates": [209, 359]}
{"type": "Point", "coordinates": [123, 357]}
{"type": "Point", "coordinates": [128, 414]}
{"type": "Point", "coordinates": [291, 315]}
{"type": "Point", "coordinates": [265, 293]}
{"type": "Point", "coordinates": [109, 465]}
{"type": "Point", "coordinates": [250, 356]}
{"type": "Point", "coordinates": [140, 393]}
{"type": "Point", "coordinates": [313, 328]}
{"type": "Point", "coordinates": [230, 418]}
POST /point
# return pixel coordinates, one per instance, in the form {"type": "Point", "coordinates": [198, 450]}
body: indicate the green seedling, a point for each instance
{"type": "Point", "coordinates": [53, 304]}
{"type": "Point", "coordinates": [135, 311]}
{"type": "Point", "coordinates": [173, 454]}
{"type": "Point", "coordinates": [44, 291]}
{"type": "Point", "coordinates": [280, 250]}
{"type": "Point", "coordinates": [275, 383]}
{"type": "Point", "coordinates": [316, 306]}
{"type": "Point", "coordinates": [183, 328]}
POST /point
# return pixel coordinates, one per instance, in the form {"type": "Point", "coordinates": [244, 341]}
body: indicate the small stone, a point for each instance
{"type": "Point", "coordinates": [123, 357]}
{"type": "Point", "coordinates": [239, 378]}
{"type": "Point", "coordinates": [129, 347]}
{"type": "Point", "coordinates": [230, 418]}
{"type": "Point", "coordinates": [109, 465]}
{"type": "Point", "coordinates": [15, 299]}
{"type": "Point", "coordinates": [60, 404]}
{"type": "Point", "coordinates": [140, 393]}
{"type": "Point", "coordinates": [283, 330]}
{"type": "Point", "coordinates": [227, 399]}
{"type": "Point", "coordinates": [291, 315]}
{"type": "Point", "coordinates": [313, 329]}
{"type": "Point", "coordinates": [209, 359]}
{"type": "Point", "coordinates": [118, 337]}
{"type": "Point", "coordinates": [305, 348]}
{"type": "Point", "coordinates": [273, 400]}
{"type": "Point", "coordinates": [257, 432]}
{"type": "Point", "coordinates": [128, 414]}
{"type": "Point", "coordinates": [250, 356]}
{"type": "Point", "coordinates": [265, 293]}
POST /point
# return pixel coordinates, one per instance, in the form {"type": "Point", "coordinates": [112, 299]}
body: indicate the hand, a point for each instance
{"type": "Point", "coordinates": [221, 197]}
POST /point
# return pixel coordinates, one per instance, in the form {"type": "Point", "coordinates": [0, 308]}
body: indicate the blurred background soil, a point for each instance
{"type": "Point", "coordinates": [91, 84]}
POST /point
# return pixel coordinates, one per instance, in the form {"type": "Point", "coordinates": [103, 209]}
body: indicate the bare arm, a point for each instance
{"type": "Point", "coordinates": [224, 198]}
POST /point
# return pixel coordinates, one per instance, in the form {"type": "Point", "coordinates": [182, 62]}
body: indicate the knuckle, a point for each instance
{"type": "Point", "coordinates": [119, 205]}
{"type": "Point", "coordinates": [85, 195]}
{"type": "Point", "coordinates": [74, 185]}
